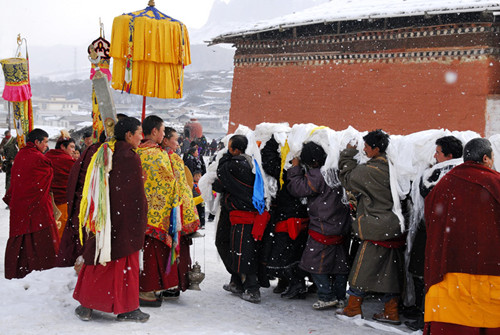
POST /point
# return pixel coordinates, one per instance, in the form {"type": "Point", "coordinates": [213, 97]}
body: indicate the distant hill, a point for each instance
{"type": "Point", "coordinates": [214, 58]}
{"type": "Point", "coordinates": [225, 17]}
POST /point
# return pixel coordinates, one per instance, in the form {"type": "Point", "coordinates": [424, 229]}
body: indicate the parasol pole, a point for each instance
{"type": "Point", "coordinates": [8, 115]}
{"type": "Point", "coordinates": [151, 3]}
{"type": "Point", "coordinates": [143, 108]}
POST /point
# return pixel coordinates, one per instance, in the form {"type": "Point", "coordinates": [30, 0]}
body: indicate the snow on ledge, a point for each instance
{"type": "Point", "coordinates": [349, 10]}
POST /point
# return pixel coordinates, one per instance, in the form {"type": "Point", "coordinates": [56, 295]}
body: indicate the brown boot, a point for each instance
{"type": "Point", "coordinates": [353, 307]}
{"type": "Point", "coordinates": [390, 313]}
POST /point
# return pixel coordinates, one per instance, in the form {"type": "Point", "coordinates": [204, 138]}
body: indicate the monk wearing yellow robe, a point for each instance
{"type": "Point", "coordinates": [161, 244]}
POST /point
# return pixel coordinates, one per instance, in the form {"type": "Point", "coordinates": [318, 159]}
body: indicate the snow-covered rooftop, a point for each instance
{"type": "Point", "coordinates": [350, 10]}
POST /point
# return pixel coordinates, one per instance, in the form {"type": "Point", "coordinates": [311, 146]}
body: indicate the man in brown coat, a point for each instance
{"type": "Point", "coordinates": [379, 261]}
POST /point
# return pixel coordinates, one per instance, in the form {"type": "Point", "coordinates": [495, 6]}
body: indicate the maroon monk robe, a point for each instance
{"type": "Point", "coordinates": [115, 287]}
{"type": "Point", "coordinates": [184, 265]}
{"type": "Point", "coordinates": [462, 215]}
{"type": "Point", "coordinates": [61, 163]}
{"type": "Point", "coordinates": [442, 328]}
{"type": "Point", "coordinates": [33, 238]}
{"type": "Point", "coordinates": [70, 247]}
{"type": "Point", "coordinates": [128, 205]}
{"type": "Point", "coordinates": [154, 276]}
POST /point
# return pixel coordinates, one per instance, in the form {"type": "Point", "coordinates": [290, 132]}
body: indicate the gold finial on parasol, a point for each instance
{"type": "Point", "coordinates": [151, 3]}
{"type": "Point", "coordinates": [19, 44]}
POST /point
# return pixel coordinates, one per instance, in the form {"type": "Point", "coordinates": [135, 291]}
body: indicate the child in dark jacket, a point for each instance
{"type": "Point", "coordinates": [200, 207]}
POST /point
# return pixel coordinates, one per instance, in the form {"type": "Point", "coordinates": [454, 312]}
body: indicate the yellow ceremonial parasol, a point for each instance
{"type": "Point", "coordinates": [149, 50]}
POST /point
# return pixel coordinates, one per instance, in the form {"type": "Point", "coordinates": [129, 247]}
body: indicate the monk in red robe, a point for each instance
{"type": "Point", "coordinates": [462, 272]}
{"type": "Point", "coordinates": [62, 161]}
{"type": "Point", "coordinates": [33, 239]}
{"type": "Point", "coordinates": [110, 282]}
{"type": "Point", "coordinates": [71, 248]}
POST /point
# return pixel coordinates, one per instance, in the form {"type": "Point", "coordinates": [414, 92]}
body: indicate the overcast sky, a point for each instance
{"type": "Point", "coordinates": [73, 22]}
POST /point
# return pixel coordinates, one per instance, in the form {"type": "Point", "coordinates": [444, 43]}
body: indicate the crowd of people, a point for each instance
{"type": "Point", "coordinates": [204, 148]}
{"type": "Point", "coordinates": [125, 196]}
{"type": "Point", "coordinates": [125, 211]}
{"type": "Point", "coordinates": [345, 230]}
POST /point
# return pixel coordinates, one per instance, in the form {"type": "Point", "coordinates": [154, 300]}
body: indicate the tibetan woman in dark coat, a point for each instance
{"type": "Point", "coordinates": [326, 251]}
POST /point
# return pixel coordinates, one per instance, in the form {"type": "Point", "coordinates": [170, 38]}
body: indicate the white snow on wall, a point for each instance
{"type": "Point", "coordinates": [348, 10]}
{"type": "Point", "coordinates": [492, 116]}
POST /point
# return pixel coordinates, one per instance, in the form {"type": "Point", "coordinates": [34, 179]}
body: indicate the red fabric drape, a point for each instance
{"type": "Point", "coordinates": [259, 221]}
{"type": "Point", "coordinates": [462, 213]}
{"type": "Point", "coordinates": [394, 243]}
{"type": "Point", "coordinates": [154, 276]}
{"type": "Point", "coordinates": [28, 196]}
{"type": "Point", "coordinates": [62, 164]}
{"type": "Point", "coordinates": [292, 226]}
{"type": "Point", "coordinates": [326, 239]}
{"type": "Point", "coordinates": [113, 288]}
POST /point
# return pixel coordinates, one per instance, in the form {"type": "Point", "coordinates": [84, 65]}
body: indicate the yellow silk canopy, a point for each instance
{"type": "Point", "coordinates": [149, 51]}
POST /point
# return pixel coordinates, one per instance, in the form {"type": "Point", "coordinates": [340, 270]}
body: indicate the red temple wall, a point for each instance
{"type": "Point", "coordinates": [400, 97]}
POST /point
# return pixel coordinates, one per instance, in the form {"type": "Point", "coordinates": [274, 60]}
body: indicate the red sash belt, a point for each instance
{"type": "Point", "coordinates": [259, 221]}
{"type": "Point", "coordinates": [394, 243]}
{"type": "Point", "coordinates": [292, 226]}
{"type": "Point", "coordinates": [242, 217]}
{"type": "Point", "coordinates": [326, 239]}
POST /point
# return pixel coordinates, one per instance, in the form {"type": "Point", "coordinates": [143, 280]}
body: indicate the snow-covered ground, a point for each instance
{"type": "Point", "coordinates": [42, 303]}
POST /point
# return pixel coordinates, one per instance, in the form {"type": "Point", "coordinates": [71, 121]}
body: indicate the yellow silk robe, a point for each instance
{"type": "Point", "coordinates": [161, 188]}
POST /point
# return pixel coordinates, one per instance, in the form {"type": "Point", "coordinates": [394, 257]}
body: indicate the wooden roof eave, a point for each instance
{"type": "Point", "coordinates": [232, 38]}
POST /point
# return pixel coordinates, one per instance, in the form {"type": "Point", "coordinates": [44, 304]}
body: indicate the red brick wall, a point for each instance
{"type": "Point", "coordinates": [399, 97]}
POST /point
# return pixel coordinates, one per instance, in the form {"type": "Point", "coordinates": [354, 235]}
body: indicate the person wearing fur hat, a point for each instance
{"type": "Point", "coordinates": [326, 251]}
{"type": "Point", "coordinates": [62, 161]}
{"type": "Point", "coordinates": [378, 265]}
{"type": "Point", "coordinates": [87, 140]}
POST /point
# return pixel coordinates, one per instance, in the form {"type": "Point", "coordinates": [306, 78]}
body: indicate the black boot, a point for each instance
{"type": "Point", "coordinates": [235, 285]}
{"type": "Point", "coordinates": [418, 324]}
{"type": "Point", "coordinates": [297, 287]}
{"type": "Point", "coordinates": [135, 316]}
{"type": "Point", "coordinates": [262, 276]}
{"type": "Point", "coordinates": [83, 313]}
{"type": "Point", "coordinates": [282, 286]}
{"type": "Point", "coordinates": [295, 290]}
{"type": "Point", "coordinates": [253, 297]}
